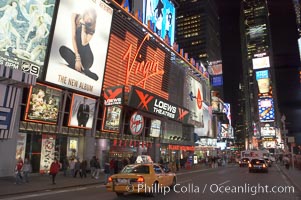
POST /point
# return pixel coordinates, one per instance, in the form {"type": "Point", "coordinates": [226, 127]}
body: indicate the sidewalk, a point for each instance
{"type": "Point", "coordinates": [293, 175]}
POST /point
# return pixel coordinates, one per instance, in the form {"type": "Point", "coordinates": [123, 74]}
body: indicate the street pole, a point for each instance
{"type": "Point", "coordinates": [283, 118]}
{"type": "Point", "coordinates": [292, 152]}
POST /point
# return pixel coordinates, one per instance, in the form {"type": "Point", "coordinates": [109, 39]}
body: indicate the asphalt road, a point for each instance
{"type": "Point", "coordinates": [229, 183]}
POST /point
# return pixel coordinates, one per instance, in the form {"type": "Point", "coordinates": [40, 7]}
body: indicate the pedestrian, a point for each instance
{"type": "Point", "coordinates": [72, 167]}
{"type": "Point", "coordinates": [286, 161]}
{"type": "Point", "coordinates": [177, 164]}
{"type": "Point", "coordinates": [107, 172]}
{"type": "Point", "coordinates": [92, 166]}
{"type": "Point", "coordinates": [77, 168]}
{"type": "Point", "coordinates": [26, 170]}
{"type": "Point", "coordinates": [112, 166]}
{"type": "Point", "coordinates": [83, 168]}
{"type": "Point", "coordinates": [65, 165]}
{"type": "Point", "coordinates": [97, 168]}
{"type": "Point", "coordinates": [18, 170]}
{"type": "Point", "coordinates": [54, 169]}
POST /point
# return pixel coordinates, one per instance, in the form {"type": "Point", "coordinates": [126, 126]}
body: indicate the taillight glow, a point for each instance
{"type": "Point", "coordinates": [140, 179]}
{"type": "Point", "coordinates": [110, 179]}
{"type": "Point", "coordinates": [264, 166]}
{"type": "Point", "coordinates": [250, 165]}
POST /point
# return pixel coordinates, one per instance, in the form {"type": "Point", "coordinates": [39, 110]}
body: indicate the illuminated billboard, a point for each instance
{"type": "Point", "coordinates": [79, 49]}
{"type": "Point", "coordinates": [263, 85]}
{"type": "Point", "coordinates": [82, 111]}
{"type": "Point", "coordinates": [227, 111]}
{"type": "Point", "coordinates": [47, 152]}
{"type": "Point", "coordinates": [43, 104]}
{"type": "Point", "coordinates": [193, 101]}
{"type": "Point", "coordinates": [267, 131]}
{"type": "Point", "coordinates": [161, 13]}
{"type": "Point", "coordinates": [260, 63]}
{"type": "Point", "coordinates": [155, 128]}
{"type": "Point", "coordinates": [217, 81]}
{"type": "Point", "coordinates": [148, 102]}
{"type": "Point", "coordinates": [257, 31]}
{"type": "Point", "coordinates": [266, 110]}
{"type": "Point", "coordinates": [215, 68]}
{"type": "Point", "coordinates": [262, 74]}
{"type": "Point", "coordinates": [112, 116]}
{"type": "Point", "coordinates": [24, 32]}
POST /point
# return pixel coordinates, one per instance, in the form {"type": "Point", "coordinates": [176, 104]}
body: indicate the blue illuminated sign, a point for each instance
{"type": "Point", "coordinates": [217, 80]}
{"type": "Point", "coordinates": [262, 74]}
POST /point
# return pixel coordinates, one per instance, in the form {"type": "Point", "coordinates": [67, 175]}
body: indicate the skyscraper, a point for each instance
{"type": "Point", "coordinates": [260, 105]}
{"type": "Point", "coordinates": [197, 29]}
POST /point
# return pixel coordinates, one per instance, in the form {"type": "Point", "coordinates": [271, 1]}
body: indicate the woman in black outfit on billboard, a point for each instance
{"type": "Point", "coordinates": [83, 29]}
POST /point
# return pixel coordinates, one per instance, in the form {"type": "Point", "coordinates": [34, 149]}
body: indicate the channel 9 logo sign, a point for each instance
{"type": "Point", "coordinates": [30, 68]}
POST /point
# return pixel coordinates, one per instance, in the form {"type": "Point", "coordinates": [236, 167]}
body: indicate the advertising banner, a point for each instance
{"type": "Point", "coordinates": [161, 13]}
{"type": "Point", "coordinates": [215, 68]}
{"type": "Point", "coordinates": [262, 74]}
{"type": "Point", "coordinates": [268, 131]}
{"type": "Point", "coordinates": [72, 150]}
{"type": "Point", "coordinates": [79, 49]}
{"type": "Point", "coordinates": [43, 104]}
{"type": "Point", "coordinates": [227, 111]}
{"type": "Point", "coordinates": [24, 33]}
{"type": "Point", "coordinates": [21, 145]}
{"type": "Point", "coordinates": [263, 85]}
{"type": "Point", "coordinates": [155, 129]}
{"type": "Point", "coordinates": [81, 111]}
{"type": "Point", "coordinates": [112, 119]}
{"type": "Point", "coordinates": [146, 101]}
{"type": "Point", "coordinates": [259, 63]}
{"type": "Point", "coordinates": [217, 81]}
{"type": "Point", "coordinates": [193, 101]}
{"type": "Point", "coordinates": [266, 110]}
{"type": "Point", "coordinates": [225, 132]}
{"type": "Point", "coordinates": [206, 130]}
{"type": "Point", "coordinates": [47, 152]}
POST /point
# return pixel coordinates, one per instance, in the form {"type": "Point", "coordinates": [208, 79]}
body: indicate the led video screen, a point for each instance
{"type": "Point", "coordinates": [161, 13]}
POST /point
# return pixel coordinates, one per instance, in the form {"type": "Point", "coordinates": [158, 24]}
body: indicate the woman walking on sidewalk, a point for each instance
{"type": "Point", "coordinates": [54, 169]}
{"type": "Point", "coordinates": [26, 170]}
{"type": "Point", "coordinates": [18, 171]}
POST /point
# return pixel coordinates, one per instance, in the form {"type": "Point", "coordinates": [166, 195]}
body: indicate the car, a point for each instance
{"type": "Point", "coordinates": [268, 161]}
{"type": "Point", "coordinates": [141, 178]}
{"type": "Point", "coordinates": [244, 162]}
{"type": "Point", "coordinates": [258, 165]}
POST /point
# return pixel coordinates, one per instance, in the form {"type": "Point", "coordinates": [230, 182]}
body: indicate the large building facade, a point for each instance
{"type": "Point", "coordinates": [197, 33]}
{"type": "Point", "coordinates": [261, 118]}
{"type": "Point", "coordinates": [130, 97]}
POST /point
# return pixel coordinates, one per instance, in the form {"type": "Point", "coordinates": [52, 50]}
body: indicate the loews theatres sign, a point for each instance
{"type": "Point", "coordinates": [146, 101]}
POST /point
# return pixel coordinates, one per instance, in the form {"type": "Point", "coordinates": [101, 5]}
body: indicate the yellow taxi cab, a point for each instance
{"type": "Point", "coordinates": [142, 178]}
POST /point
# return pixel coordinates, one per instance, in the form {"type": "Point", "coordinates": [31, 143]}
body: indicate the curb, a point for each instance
{"type": "Point", "coordinates": [49, 189]}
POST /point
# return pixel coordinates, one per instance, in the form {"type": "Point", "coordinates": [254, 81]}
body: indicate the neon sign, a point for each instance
{"type": "Point", "coordinates": [148, 68]}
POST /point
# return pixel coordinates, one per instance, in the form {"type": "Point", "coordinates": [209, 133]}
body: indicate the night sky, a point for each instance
{"type": "Point", "coordinates": [285, 51]}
